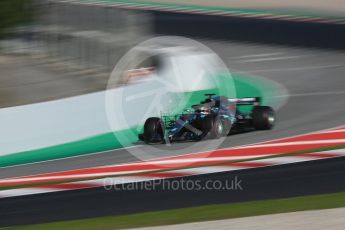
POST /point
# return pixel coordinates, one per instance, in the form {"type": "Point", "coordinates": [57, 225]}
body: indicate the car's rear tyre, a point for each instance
{"type": "Point", "coordinates": [263, 117]}
{"type": "Point", "coordinates": [153, 130]}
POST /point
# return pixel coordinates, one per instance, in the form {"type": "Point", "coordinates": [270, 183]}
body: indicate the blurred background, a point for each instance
{"type": "Point", "coordinates": [51, 49]}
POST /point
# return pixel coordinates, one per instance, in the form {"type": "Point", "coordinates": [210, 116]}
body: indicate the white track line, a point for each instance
{"type": "Point", "coordinates": [340, 152]}
{"type": "Point", "coordinates": [270, 59]}
{"type": "Point", "coordinates": [66, 177]}
{"type": "Point", "coordinates": [296, 143]}
{"type": "Point", "coordinates": [313, 94]}
{"type": "Point", "coordinates": [195, 160]}
{"type": "Point", "coordinates": [285, 160]}
{"type": "Point", "coordinates": [294, 68]}
{"type": "Point", "coordinates": [26, 191]}
{"type": "Point", "coordinates": [332, 131]}
{"type": "Point", "coordinates": [258, 55]}
{"type": "Point", "coordinates": [210, 169]}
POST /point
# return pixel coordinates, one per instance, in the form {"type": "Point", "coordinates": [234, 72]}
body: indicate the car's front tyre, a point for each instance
{"type": "Point", "coordinates": [153, 130]}
{"type": "Point", "coordinates": [216, 126]}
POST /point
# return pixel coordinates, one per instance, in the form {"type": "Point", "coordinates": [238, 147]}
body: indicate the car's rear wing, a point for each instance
{"type": "Point", "coordinates": [246, 100]}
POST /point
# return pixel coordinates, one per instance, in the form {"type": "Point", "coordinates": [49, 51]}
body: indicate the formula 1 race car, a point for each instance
{"type": "Point", "coordinates": [214, 117]}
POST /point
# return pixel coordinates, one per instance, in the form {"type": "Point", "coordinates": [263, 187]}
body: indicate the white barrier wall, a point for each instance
{"type": "Point", "coordinates": [57, 122]}
{"type": "Point", "coordinates": [51, 123]}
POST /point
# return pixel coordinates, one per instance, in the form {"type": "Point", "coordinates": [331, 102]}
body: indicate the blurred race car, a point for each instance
{"type": "Point", "coordinates": [214, 117]}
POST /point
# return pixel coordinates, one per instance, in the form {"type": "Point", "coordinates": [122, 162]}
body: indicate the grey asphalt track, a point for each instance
{"type": "Point", "coordinates": [313, 80]}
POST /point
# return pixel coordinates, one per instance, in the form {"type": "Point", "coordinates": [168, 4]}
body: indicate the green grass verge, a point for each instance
{"type": "Point", "coordinates": [221, 9]}
{"type": "Point", "coordinates": [202, 213]}
{"type": "Point", "coordinates": [14, 13]}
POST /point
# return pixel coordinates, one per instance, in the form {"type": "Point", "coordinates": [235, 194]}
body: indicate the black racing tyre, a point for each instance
{"type": "Point", "coordinates": [263, 117]}
{"type": "Point", "coordinates": [219, 128]}
{"type": "Point", "coordinates": [153, 130]}
{"type": "Point", "coordinates": [216, 126]}
{"type": "Point", "coordinates": [227, 126]}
